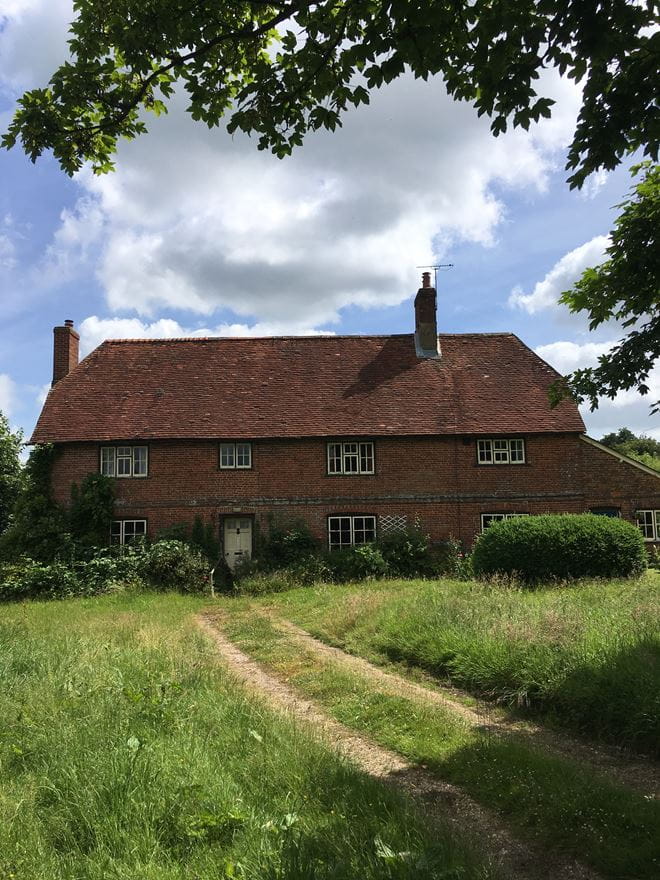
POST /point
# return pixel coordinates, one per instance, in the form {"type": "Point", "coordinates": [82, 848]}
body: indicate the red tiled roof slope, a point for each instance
{"type": "Point", "coordinates": [302, 387]}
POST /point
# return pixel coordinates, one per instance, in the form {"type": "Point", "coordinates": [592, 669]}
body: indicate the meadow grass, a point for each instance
{"type": "Point", "coordinates": [586, 655]}
{"type": "Point", "coordinates": [555, 801]}
{"type": "Point", "coordinates": [126, 752]}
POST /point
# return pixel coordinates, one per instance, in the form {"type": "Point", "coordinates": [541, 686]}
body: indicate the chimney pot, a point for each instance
{"type": "Point", "coordinates": [66, 346]}
{"type": "Point", "coordinates": [426, 279]}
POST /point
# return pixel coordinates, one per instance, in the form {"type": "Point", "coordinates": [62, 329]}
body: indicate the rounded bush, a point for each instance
{"type": "Point", "coordinates": [560, 547]}
{"type": "Point", "coordinates": [173, 565]}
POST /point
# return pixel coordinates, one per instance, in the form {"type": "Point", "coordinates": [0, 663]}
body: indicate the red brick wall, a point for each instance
{"type": "Point", "coordinates": [436, 481]}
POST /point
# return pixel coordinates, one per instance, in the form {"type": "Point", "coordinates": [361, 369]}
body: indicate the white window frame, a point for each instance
{"type": "Point", "coordinates": [131, 458]}
{"type": "Point", "coordinates": [356, 526]}
{"type": "Point", "coordinates": [350, 457]}
{"type": "Point", "coordinates": [498, 516]}
{"type": "Point", "coordinates": [501, 450]}
{"type": "Point", "coordinates": [240, 451]}
{"type": "Point", "coordinates": [121, 531]}
{"type": "Point", "coordinates": [648, 522]}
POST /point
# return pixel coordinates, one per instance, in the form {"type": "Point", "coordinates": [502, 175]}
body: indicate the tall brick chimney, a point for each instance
{"type": "Point", "coordinates": [65, 350]}
{"type": "Point", "coordinates": [426, 322]}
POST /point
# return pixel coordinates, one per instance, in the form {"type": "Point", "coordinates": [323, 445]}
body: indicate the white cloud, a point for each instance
{"type": "Point", "coordinates": [628, 409]}
{"type": "Point", "coordinates": [561, 277]}
{"type": "Point", "coordinates": [7, 394]}
{"type": "Point", "coordinates": [34, 34]}
{"type": "Point", "coordinates": [94, 330]}
{"type": "Point", "coordinates": [197, 221]}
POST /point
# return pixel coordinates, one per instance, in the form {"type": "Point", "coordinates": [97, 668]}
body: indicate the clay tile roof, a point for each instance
{"type": "Point", "coordinates": [302, 387]}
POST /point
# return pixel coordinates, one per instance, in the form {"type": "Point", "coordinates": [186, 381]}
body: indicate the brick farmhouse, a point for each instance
{"type": "Point", "coordinates": [355, 435]}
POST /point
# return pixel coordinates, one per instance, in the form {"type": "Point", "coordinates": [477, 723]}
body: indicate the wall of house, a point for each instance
{"type": "Point", "coordinates": [435, 481]}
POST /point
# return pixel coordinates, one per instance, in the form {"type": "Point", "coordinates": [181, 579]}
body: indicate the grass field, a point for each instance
{"type": "Point", "coordinates": [553, 801]}
{"type": "Point", "coordinates": [586, 657]}
{"type": "Point", "coordinates": [127, 753]}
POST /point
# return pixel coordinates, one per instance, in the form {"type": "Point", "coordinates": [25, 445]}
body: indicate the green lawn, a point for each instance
{"type": "Point", "coordinates": [126, 752]}
{"type": "Point", "coordinates": [585, 656]}
{"type": "Point", "coordinates": [556, 802]}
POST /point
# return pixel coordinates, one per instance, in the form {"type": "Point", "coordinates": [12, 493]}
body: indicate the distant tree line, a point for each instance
{"type": "Point", "coordinates": [640, 447]}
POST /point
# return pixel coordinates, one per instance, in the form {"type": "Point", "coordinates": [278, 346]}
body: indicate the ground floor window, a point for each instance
{"type": "Point", "coordinates": [349, 531]}
{"type": "Point", "coordinates": [127, 531]}
{"type": "Point", "coordinates": [649, 524]}
{"type": "Point", "coordinates": [488, 518]}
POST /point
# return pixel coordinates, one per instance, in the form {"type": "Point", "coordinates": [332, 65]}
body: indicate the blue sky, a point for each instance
{"type": "Point", "coordinates": [198, 233]}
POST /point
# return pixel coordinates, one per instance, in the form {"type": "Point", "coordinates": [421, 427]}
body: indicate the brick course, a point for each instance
{"type": "Point", "coordinates": [435, 480]}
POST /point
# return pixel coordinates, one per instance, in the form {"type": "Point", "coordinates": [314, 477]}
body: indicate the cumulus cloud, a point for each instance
{"type": "Point", "coordinates": [561, 277]}
{"type": "Point", "coordinates": [7, 394]}
{"type": "Point", "coordinates": [34, 34]}
{"type": "Point", "coordinates": [628, 409]}
{"type": "Point", "coordinates": [198, 221]}
{"type": "Point", "coordinates": [94, 330]}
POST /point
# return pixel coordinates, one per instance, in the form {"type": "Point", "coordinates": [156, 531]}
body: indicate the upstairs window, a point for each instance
{"type": "Point", "coordinates": [350, 531]}
{"type": "Point", "coordinates": [501, 451]}
{"type": "Point", "coordinates": [648, 522]}
{"type": "Point", "coordinates": [351, 458]}
{"type": "Point", "coordinates": [489, 518]}
{"type": "Point", "coordinates": [124, 461]}
{"type": "Point", "coordinates": [235, 456]}
{"type": "Point", "coordinates": [128, 531]}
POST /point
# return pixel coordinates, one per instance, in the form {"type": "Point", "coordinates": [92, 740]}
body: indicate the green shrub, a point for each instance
{"type": "Point", "coordinates": [356, 563]}
{"type": "Point", "coordinates": [173, 565]}
{"type": "Point", "coordinates": [27, 579]}
{"type": "Point", "coordinates": [284, 547]}
{"type": "Point", "coordinates": [560, 547]}
{"type": "Point", "coordinates": [408, 554]}
{"type": "Point", "coordinates": [90, 515]}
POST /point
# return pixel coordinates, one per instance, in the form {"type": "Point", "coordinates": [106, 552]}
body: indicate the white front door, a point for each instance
{"type": "Point", "coordinates": [238, 539]}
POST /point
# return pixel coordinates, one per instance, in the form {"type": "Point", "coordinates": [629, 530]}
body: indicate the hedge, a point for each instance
{"type": "Point", "coordinates": [560, 547]}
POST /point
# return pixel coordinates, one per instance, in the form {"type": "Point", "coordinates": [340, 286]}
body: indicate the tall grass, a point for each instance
{"type": "Point", "coordinates": [126, 752]}
{"type": "Point", "coordinates": [588, 654]}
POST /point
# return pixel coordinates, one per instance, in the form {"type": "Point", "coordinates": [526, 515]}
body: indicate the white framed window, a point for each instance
{"type": "Point", "coordinates": [648, 522]}
{"type": "Point", "coordinates": [128, 531]}
{"type": "Point", "coordinates": [125, 461]}
{"type": "Point", "coordinates": [501, 450]}
{"type": "Point", "coordinates": [350, 531]}
{"type": "Point", "coordinates": [351, 457]}
{"type": "Point", "coordinates": [489, 518]}
{"type": "Point", "coordinates": [235, 456]}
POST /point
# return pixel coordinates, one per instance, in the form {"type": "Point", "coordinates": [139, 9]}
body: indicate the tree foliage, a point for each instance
{"type": "Point", "coordinates": [640, 447]}
{"type": "Point", "coordinates": [625, 288]}
{"type": "Point", "coordinates": [10, 470]}
{"type": "Point", "coordinates": [281, 69]}
{"type": "Point", "coordinates": [92, 507]}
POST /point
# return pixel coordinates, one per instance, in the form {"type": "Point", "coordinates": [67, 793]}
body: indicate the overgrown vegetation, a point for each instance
{"type": "Point", "coordinates": [640, 447]}
{"type": "Point", "coordinates": [10, 470]}
{"type": "Point", "coordinates": [587, 657]}
{"type": "Point", "coordinates": [127, 751]}
{"type": "Point", "coordinates": [559, 803]}
{"type": "Point", "coordinates": [550, 547]}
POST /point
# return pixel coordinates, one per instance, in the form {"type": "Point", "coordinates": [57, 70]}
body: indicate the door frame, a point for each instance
{"type": "Point", "coordinates": [225, 516]}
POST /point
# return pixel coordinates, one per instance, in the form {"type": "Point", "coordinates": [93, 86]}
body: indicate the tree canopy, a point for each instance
{"type": "Point", "coordinates": [640, 447]}
{"type": "Point", "coordinates": [10, 470]}
{"type": "Point", "coordinates": [626, 288]}
{"type": "Point", "coordinates": [281, 69]}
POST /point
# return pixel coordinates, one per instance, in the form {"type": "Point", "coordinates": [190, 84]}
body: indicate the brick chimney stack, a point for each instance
{"type": "Point", "coordinates": [65, 350]}
{"type": "Point", "coordinates": [426, 323]}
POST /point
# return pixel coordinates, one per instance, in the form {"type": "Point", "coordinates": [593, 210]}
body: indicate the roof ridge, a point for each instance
{"type": "Point", "coordinates": [143, 340]}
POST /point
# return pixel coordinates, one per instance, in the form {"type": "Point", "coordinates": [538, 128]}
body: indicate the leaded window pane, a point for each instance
{"type": "Point", "coordinates": [115, 532]}
{"type": "Point", "coordinates": [366, 458]}
{"type": "Point", "coordinates": [334, 458]}
{"type": "Point", "coordinates": [646, 520]}
{"type": "Point", "coordinates": [139, 461]}
{"type": "Point", "coordinates": [339, 532]}
{"type": "Point", "coordinates": [364, 529]}
{"type": "Point", "coordinates": [108, 461]}
{"type": "Point", "coordinates": [227, 455]}
{"type": "Point", "coordinates": [485, 451]}
{"type": "Point", "coordinates": [500, 451]}
{"type": "Point", "coordinates": [517, 450]}
{"type": "Point", "coordinates": [351, 458]}
{"type": "Point", "coordinates": [243, 455]}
